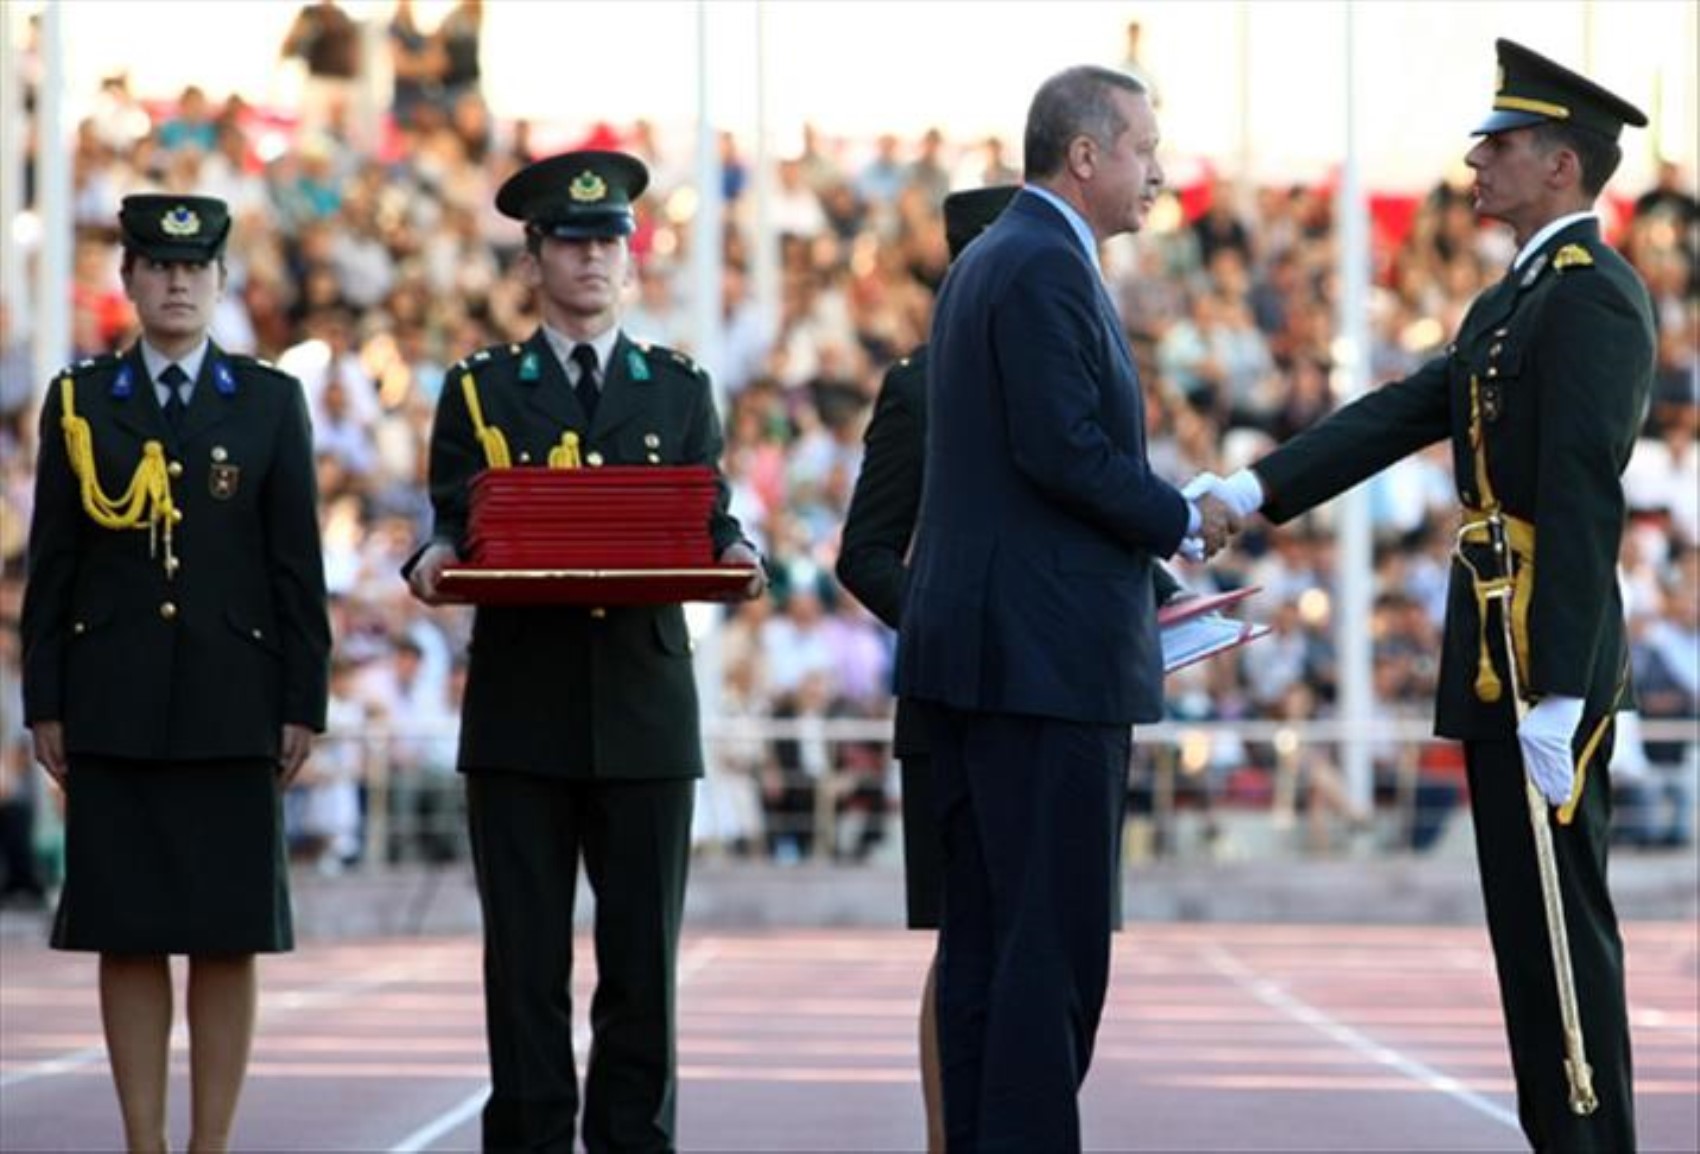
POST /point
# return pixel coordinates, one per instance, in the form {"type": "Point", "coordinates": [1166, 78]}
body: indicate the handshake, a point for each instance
{"type": "Point", "coordinates": [1223, 504]}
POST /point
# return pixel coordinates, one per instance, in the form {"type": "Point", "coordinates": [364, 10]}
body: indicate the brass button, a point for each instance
{"type": "Point", "coordinates": [1494, 351]}
{"type": "Point", "coordinates": [79, 627]}
{"type": "Point", "coordinates": [167, 610]}
{"type": "Point", "coordinates": [258, 636]}
{"type": "Point", "coordinates": [174, 470]}
{"type": "Point", "coordinates": [655, 458]}
{"type": "Point", "coordinates": [1493, 370]}
{"type": "Point", "coordinates": [593, 458]}
{"type": "Point", "coordinates": [524, 458]}
{"type": "Point", "coordinates": [599, 613]}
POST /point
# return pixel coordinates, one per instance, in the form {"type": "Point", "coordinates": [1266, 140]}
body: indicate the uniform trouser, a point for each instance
{"type": "Point", "coordinates": [527, 836]}
{"type": "Point", "coordinates": [1030, 813]}
{"type": "Point", "coordinates": [1528, 990]}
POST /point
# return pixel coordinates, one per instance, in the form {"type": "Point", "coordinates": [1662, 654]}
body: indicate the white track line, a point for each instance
{"type": "Point", "coordinates": [467, 1108]}
{"type": "Point", "coordinates": [1272, 995]}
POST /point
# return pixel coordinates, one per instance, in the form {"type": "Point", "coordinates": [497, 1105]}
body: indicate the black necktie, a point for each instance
{"type": "Point", "coordinates": [174, 378]}
{"type": "Point", "coordinates": [584, 356]}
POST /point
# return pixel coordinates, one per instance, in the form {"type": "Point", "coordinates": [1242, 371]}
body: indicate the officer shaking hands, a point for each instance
{"type": "Point", "coordinates": [1541, 394]}
{"type": "Point", "coordinates": [580, 735]}
{"type": "Point", "coordinates": [176, 662]}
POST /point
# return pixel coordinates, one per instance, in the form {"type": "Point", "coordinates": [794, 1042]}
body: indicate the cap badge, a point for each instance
{"type": "Point", "coordinates": [587, 188]}
{"type": "Point", "coordinates": [180, 222]}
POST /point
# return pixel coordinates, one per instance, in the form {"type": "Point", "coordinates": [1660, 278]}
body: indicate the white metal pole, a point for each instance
{"type": "Point", "coordinates": [52, 329]}
{"type": "Point", "coordinates": [12, 168]}
{"type": "Point", "coordinates": [765, 250]}
{"type": "Point", "coordinates": [706, 226]}
{"type": "Point", "coordinates": [1355, 575]}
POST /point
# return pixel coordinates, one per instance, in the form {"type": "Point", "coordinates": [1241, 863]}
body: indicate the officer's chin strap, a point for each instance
{"type": "Point", "coordinates": [146, 504]}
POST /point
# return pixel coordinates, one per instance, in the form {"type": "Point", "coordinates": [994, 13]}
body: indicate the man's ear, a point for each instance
{"type": "Point", "coordinates": [1082, 157]}
{"type": "Point", "coordinates": [1566, 168]}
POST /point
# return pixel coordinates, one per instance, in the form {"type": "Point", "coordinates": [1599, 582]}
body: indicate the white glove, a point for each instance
{"type": "Point", "coordinates": [1192, 548]}
{"type": "Point", "coordinates": [1241, 491]}
{"type": "Point", "coordinates": [1545, 735]}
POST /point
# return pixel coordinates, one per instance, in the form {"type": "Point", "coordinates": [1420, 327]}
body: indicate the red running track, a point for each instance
{"type": "Point", "coordinates": [1217, 1037]}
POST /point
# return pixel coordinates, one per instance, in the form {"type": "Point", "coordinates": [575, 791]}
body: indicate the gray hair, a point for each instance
{"type": "Point", "coordinates": [1073, 103]}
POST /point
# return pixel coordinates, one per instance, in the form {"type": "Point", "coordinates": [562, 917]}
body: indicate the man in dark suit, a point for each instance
{"type": "Point", "coordinates": [1542, 394]}
{"type": "Point", "coordinates": [1029, 621]}
{"type": "Point", "coordinates": [176, 662]}
{"type": "Point", "coordinates": [872, 564]}
{"type": "Point", "coordinates": [579, 732]}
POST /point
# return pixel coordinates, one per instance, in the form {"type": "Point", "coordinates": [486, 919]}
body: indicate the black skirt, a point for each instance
{"type": "Point", "coordinates": [166, 858]}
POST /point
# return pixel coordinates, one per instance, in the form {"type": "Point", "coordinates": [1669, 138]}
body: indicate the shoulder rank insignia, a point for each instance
{"type": "Point", "coordinates": [636, 365]}
{"type": "Point", "coordinates": [1572, 256]}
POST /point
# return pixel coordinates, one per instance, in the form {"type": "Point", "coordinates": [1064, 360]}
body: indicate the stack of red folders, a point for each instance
{"type": "Point", "coordinates": [616, 517]}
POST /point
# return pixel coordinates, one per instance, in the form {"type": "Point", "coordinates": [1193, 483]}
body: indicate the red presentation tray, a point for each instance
{"type": "Point", "coordinates": [492, 586]}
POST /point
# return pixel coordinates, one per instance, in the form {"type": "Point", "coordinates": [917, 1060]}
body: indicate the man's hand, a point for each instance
{"type": "Point", "coordinates": [297, 743]}
{"type": "Point", "coordinates": [50, 749]}
{"type": "Point", "coordinates": [1545, 734]}
{"type": "Point", "coordinates": [1217, 523]}
{"type": "Point", "coordinates": [739, 553]}
{"type": "Point", "coordinates": [422, 582]}
{"type": "Point", "coordinates": [1240, 491]}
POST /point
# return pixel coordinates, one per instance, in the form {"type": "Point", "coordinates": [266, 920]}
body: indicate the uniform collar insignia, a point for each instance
{"type": "Point", "coordinates": [636, 365]}
{"type": "Point", "coordinates": [529, 370]}
{"type": "Point", "coordinates": [124, 383]}
{"type": "Point", "coordinates": [223, 379]}
{"type": "Point", "coordinates": [1572, 256]}
{"type": "Point", "coordinates": [1536, 265]}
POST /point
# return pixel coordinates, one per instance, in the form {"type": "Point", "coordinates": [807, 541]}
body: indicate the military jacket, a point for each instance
{"type": "Point", "coordinates": [575, 691]}
{"type": "Point", "coordinates": [209, 660]}
{"type": "Point", "coordinates": [1556, 362]}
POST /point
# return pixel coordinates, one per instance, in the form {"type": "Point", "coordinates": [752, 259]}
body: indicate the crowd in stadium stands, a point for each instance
{"type": "Point", "coordinates": [367, 273]}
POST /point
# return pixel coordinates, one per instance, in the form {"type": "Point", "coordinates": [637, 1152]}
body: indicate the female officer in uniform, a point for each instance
{"type": "Point", "coordinates": [175, 663]}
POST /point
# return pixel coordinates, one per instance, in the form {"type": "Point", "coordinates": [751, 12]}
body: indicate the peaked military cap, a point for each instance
{"type": "Point", "coordinates": [1533, 89]}
{"type": "Point", "coordinates": [968, 214]}
{"type": "Point", "coordinates": [576, 194]}
{"type": "Point", "coordinates": [190, 228]}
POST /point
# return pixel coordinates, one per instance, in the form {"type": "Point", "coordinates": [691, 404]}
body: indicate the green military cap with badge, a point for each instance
{"type": "Point", "coordinates": [1534, 90]}
{"type": "Point", "coordinates": [576, 194]}
{"type": "Point", "coordinates": [174, 228]}
{"type": "Point", "coordinates": [969, 213]}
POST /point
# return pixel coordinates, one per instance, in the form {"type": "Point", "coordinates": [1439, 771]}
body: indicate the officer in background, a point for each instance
{"type": "Point", "coordinates": [580, 735]}
{"type": "Point", "coordinates": [176, 660]}
{"type": "Point", "coordinates": [1542, 394]}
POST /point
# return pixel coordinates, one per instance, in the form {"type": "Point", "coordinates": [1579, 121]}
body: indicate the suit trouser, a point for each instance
{"type": "Point", "coordinates": [1030, 812]}
{"type": "Point", "coordinates": [1528, 990]}
{"type": "Point", "coordinates": [527, 836]}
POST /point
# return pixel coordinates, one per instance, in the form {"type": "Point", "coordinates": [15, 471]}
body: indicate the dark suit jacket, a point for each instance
{"type": "Point", "coordinates": [1568, 354]}
{"type": "Point", "coordinates": [209, 663]}
{"type": "Point", "coordinates": [567, 690]}
{"type": "Point", "coordinates": [881, 521]}
{"type": "Point", "coordinates": [1030, 589]}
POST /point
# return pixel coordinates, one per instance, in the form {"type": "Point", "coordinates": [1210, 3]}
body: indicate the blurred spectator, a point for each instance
{"type": "Point", "coordinates": [417, 67]}
{"type": "Point", "coordinates": [459, 38]}
{"type": "Point", "coordinates": [327, 41]}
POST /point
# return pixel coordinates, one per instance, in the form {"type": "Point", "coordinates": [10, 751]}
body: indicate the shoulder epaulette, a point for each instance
{"type": "Point", "coordinates": [671, 357]}
{"type": "Point", "coordinates": [1572, 256]}
{"type": "Point", "coordinates": [88, 365]}
{"type": "Point", "coordinates": [486, 356]}
{"type": "Point", "coordinates": [245, 361]}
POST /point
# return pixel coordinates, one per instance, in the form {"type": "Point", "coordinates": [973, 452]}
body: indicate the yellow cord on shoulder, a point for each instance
{"type": "Point", "coordinates": [146, 504]}
{"type": "Point", "coordinates": [495, 445]}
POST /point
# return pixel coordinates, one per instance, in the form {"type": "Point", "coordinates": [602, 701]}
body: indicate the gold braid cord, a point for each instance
{"type": "Point", "coordinates": [146, 504]}
{"type": "Point", "coordinates": [495, 445]}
